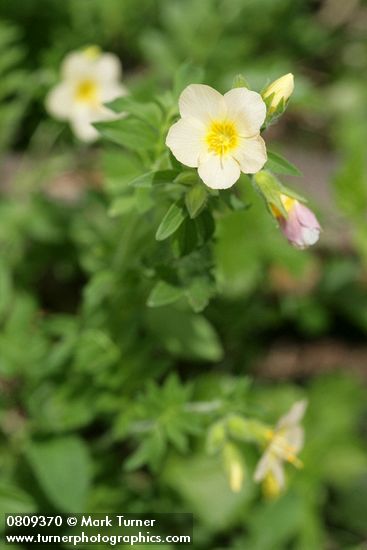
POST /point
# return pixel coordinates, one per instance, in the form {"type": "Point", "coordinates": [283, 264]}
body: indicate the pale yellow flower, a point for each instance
{"type": "Point", "coordinates": [219, 134]}
{"type": "Point", "coordinates": [282, 88]}
{"type": "Point", "coordinates": [89, 79]}
{"type": "Point", "coordinates": [284, 443]}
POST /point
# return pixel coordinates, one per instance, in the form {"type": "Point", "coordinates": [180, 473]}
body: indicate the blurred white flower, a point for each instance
{"type": "Point", "coordinates": [285, 442]}
{"type": "Point", "coordinates": [280, 89]}
{"type": "Point", "coordinates": [219, 135]}
{"type": "Point", "coordinates": [89, 79]}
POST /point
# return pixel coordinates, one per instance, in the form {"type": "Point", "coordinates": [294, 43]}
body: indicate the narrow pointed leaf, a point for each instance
{"type": "Point", "coordinates": [163, 293]}
{"type": "Point", "coordinates": [171, 222]}
{"type": "Point", "coordinates": [279, 165]}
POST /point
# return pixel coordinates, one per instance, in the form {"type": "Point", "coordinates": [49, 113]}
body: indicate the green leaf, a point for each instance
{"type": "Point", "coordinates": [163, 294]}
{"type": "Point", "coordinates": [186, 238]}
{"type": "Point", "coordinates": [238, 250]}
{"type": "Point", "coordinates": [279, 165]}
{"type": "Point", "coordinates": [62, 467]}
{"type": "Point", "coordinates": [216, 437]}
{"type": "Point", "coordinates": [129, 132]}
{"type": "Point", "coordinates": [15, 500]}
{"type": "Point", "coordinates": [122, 205]}
{"type": "Point", "coordinates": [195, 199]}
{"type": "Point", "coordinates": [185, 334]}
{"type": "Point", "coordinates": [205, 225]}
{"type": "Point", "coordinates": [147, 112]}
{"type": "Point", "coordinates": [199, 293]}
{"type": "Point", "coordinates": [144, 199]}
{"type": "Point", "coordinates": [271, 189]}
{"type": "Point", "coordinates": [171, 222]}
{"type": "Point", "coordinates": [239, 81]}
{"type": "Point", "coordinates": [150, 451]}
{"type": "Point", "coordinates": [96, 350]}
{"type": "Point", "coordinates": [154, 178]}
{"type": "Point", "coordinates": [187, 74]}
{"type": "Point", "coordinates": [187, 177]}
{"type": "Point", "coordinates": [199, 480]}
{"type": "Point", "coordinates": [280, 531]}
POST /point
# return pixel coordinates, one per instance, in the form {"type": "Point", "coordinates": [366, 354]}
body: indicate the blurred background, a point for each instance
{"type": "Point", "coordinates": [82, 363]}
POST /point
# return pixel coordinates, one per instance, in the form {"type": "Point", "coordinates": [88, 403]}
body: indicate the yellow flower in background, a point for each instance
{"type": "Point", "coordinates": [284, 443]}
{"type": "Point", "coordinates": [219, 134]}
{"type": "Point", "coordinates": [89, 79]}
{"type": "Point", "coordinates": [282, 88]}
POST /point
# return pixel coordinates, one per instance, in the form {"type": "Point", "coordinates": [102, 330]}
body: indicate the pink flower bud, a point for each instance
{"type": "Point", "coordinates": [301, 227]}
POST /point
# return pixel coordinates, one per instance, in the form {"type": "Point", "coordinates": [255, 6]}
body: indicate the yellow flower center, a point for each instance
{"type": "Point", "coordinates": [87, 91]}
{"type": "Point", "coordinates": [282, 449]}
{"type": "Point", "coordinates": [222, 137]}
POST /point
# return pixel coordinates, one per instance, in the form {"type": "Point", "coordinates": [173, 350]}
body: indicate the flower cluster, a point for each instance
{"type": "Point", "coordinates": [284, 444]}
{"type": "Point", "coordinates": [280, 445]}
{"type": "Point", "coordinates": [220, 136]}
{"type": "Point", "coordinates": [217, 134]}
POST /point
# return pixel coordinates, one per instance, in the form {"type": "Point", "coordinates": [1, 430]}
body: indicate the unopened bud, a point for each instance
{"type": "Point", "coordinates": [280, 89]}
{"type": "Point", "coordinates": [235, 467]}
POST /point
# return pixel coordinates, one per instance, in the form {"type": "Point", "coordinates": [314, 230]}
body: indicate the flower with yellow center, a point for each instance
{"type": "Point", "coordinates": [219, 134]}
{"type": "Point", "coordinates": [280, 89]}
{"type": "Point", "coordinates": [284, 443]}
{"type": "Point", "coordinates": [90, 78]}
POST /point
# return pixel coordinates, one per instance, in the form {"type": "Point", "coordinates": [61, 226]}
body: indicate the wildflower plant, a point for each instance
{"type": "Point", "coordinates": [173, 167]}
{"type": "Point", "coordinates": [145, 275]}
{"type": "Point", "coordinates": [185, 152]}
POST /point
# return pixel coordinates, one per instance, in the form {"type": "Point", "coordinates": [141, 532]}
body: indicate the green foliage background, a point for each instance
{"type": "Point", "coordinates": [105, 401]}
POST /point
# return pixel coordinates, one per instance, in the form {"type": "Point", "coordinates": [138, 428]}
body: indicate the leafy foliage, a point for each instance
{"type": "Point", "coordinates": [125, 358]}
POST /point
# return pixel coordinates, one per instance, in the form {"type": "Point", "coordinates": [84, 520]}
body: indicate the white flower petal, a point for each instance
{"type": "Point", "coordinates": [84, 116]}
{"type": "Point", "coordinates": [218, 172]}
{"type": "Point", "coordinates": [185, 139]}
{"type": "Point", "coordinates": [201, 102]}
{"type": "Point", "coordinates": [295, 438]}
{"type": "Point", "coordinates": [294, 415]}
{"type": "Point", "coordinates": [110, 91]}
{"type": "Point", "coordinates": [263, 466]}
{"type": "Point", "coordinates": [83, 129]}
{"type": "Point", "coordinates": [276, 467]}
{"type": "Point", "coordinates": [104, 114]}
{"type": "Point", "coordinates": [247, 109]}
{"type": "Point", "coordinates": [60, 100]}
{"type": "Point", "coordinates": [251, 154]}
{"type": "Point", "coordinates": [107, 67]}
{"type": "Point", "coordinates": [76, 66]}
{"type": "Point", "coordinates": [310, 236]}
